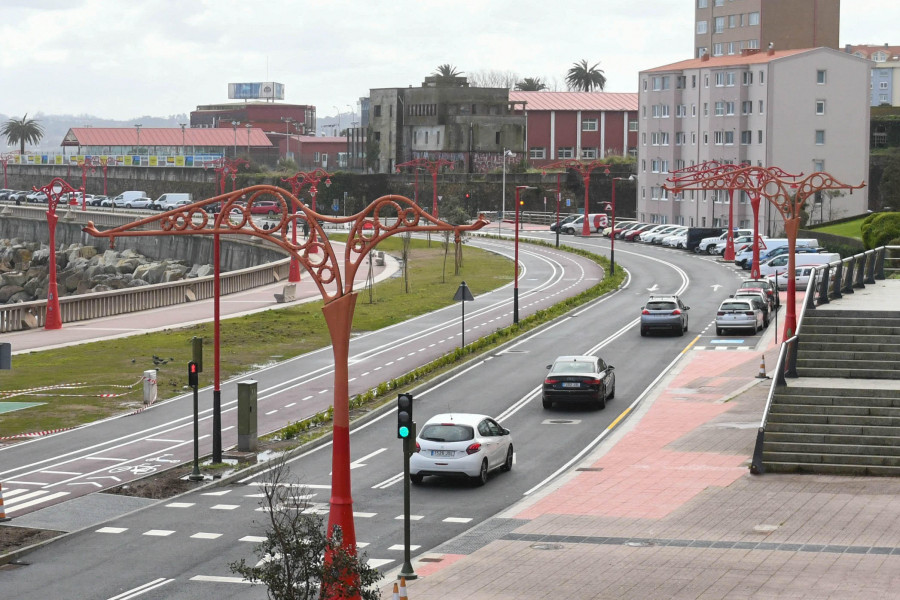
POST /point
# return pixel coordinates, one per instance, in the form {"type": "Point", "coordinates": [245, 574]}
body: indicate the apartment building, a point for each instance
{"type": "Point", "coordinates": [803, 110]}
{"type": "Point", "coordinates": [885, 83]}
{"type": "Point", "coordinates": [725, 27]}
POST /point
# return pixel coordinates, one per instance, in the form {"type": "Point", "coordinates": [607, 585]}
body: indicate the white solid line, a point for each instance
{"type": "Point", "coordinates": [135, 592]}
{"type": "Point", "coordinates": [378, 562]}
{"type": "Point", "coordinates": [112, 459]}
{"type": "Point", "coordinates": [59, 473]}
{"type": "Point", "coordinates": [219, 493]}
{"type": "Point", "coordinates": [179, 504]}
{"type": "Point", "coordinates": [363, 515]}
{"type": "Point", "coordinates": [271, 412]}
{"type": "Point", "coordinates": [42, 499]}
{"type": "Point", "coordinates": [218, 579]}
{"type": "Point", "coordinates": [164, 441]}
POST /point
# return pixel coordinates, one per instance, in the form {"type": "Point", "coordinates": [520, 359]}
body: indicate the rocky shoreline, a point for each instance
{"type": "Point", "coordinates": [25, 270]}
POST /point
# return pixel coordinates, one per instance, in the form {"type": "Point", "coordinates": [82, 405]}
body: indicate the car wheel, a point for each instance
{"type": "Point", "coordinates": [507, 466]}
{"type": "Point", "coordinates": [601, 399]}
{"type": "Point", "coordinates": [612, 394]}
{"type": "Point", "coordinates": [416, 479]}
{"type": "Point", "coordinates": [482, 476]}
{"type": "Point", "coordinates": [127, 206]}
{"type": "Point", "coordinates": [679, 330]}
{"type": "Point", "coordinates": [685, 325]}
{"type": "Point", "coordinates": [547, 403]}
{"type": "Point", "coordinates": [719, 330]}
{"type": "Point", "coordinates": [710, 250]}
{"type": "Point", "coordinates": [271, 214]}
{"type": "Point", "coordinates": [643, 332]}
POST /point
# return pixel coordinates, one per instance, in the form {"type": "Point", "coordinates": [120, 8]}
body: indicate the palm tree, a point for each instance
{"type": "Point", "coordinates": [22, 131]}
{"type": "Point", "coordinates": [583, 78]}
{"type": "Point", "coordinates": [531, 84]}
{"type": "Point", "coordinates": [446, 70]}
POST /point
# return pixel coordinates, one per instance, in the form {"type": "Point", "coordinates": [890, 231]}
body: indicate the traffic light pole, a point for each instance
{"type": "Point", "coordinates": [409, 444]}
{"type": "Point", "coordinates": [193, 382]}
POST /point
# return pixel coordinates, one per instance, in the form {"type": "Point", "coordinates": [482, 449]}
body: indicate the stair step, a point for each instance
{"type": "Point", "coordinates": [820, 419]}
{"type": "Point", "coordinates": [816, 318]}
{"type": "Point", "coordinates": [853, 314]}
{"type": "Point", "coordinates": [777, 437]}
{"type": "Point", "coordinates": [831, 429]}
{"type": "Point", "coordinates": [863, 460]}
{"type": "Point", "coordinates": [829, 469]}
{"type": "Point", "coordinates": [875, 328]}
{"type": "Point", "coordinates": [838, 392]}
{"type": "Point", "coordinates": [835, 409]}
{"type": "Point", "coordinates": [807, 345]}
{"type": "Point", "coordinates": [847, 354]}
{"type": "Point", "coordinates": [832, 400]}
{"type": "Point", "coordinates": [802, 447]}
{"type": "Point", "coordinates": [848, 372]}
{"type": "Point", "coordinates": [846, 338]}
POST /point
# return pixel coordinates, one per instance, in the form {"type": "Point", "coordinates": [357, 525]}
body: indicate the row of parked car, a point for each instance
{"type": "Point", "coordinates": [128, 199]}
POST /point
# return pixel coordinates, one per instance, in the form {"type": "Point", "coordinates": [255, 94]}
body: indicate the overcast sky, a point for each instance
{"type": "Point", "coordinates": [123, 60]}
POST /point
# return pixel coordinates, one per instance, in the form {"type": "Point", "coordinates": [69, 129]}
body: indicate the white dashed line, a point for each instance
{"type": "Point", "coordinates": [112, 530]}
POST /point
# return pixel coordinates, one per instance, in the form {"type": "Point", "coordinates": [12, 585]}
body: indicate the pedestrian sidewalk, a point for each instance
{"type": "Point", "coordinates": [666, 508]}
{"type": "Point", "coordinates": [184, 315]}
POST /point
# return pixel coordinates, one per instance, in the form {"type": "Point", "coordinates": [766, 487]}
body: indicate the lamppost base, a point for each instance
{"type": "Point", "coordinates": [406, 571]}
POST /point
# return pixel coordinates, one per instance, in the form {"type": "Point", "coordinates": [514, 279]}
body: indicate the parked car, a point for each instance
{"type": "Point", "coordinates": [18, 197]}
{"type": "Point", "coordinates": [759, 299]}
{"type": "Point", "coordinates": [779, 264]}
{"type": "Point", "coordinates": [461, 445]}
{"type": "Point", "coordinates": [766, 284]}
{"type": "Point", "coordinates": [738, 313]}
{"type": "Point", "coordinates": [781, 250]}
{"type": "Point", "coordinates": [768, 246]}
{"type": "Point", "coordinates": [597, 222]}
{"type": "Point", "coordinates": [266, 207]}
{"type": "Point", "coordinates": [37, 196]}
{"type": "Point", "coordinates": [621, 230]}
{"type": "Point", "coordinates": [737, 242]}
{"type": "Point", "coordinates": [171, 200]}
{"type": "Point", "coordinates": [676, 239]}
{"type": "Point", "coordinates": [4, 194]}
{"type": "Point", "coordinates": [666, 313]}
{"type": "Point", "coordinates": [607, 231]}
{"type": "Point", "coordinates": [709, 244]}
{"type": "Point", "coordinates": [698, 234]}
{"type": "Point", "coordinates": [98, 200]}
{"type": "Point", "coordinates": [631, 234]}
{"type": "Point", "coordinates": [143, 202]}
{"type": "Point", "coordinates": [125, 197]}
{"type": "Point", "coordinates": [579, 379]}
{"type": "Point", "coordinates": [645, 235]}
{"type": "Point", "coordinates": [801, 277]}
{"type": "Point", "coordinates": [562, 222]}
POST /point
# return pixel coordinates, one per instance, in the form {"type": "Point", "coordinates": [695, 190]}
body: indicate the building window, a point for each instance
{"type": "Point", "coordinates": [720, 108]}
{"type": "Point", "coordinates": [701, 51]}
{"type": "Point", "coordinates": [720, 2]}
{"type": "Point", "coordinates": [644, 112]}
{"type": "Point", "coordinates": [718, 49]}
{"type": "Point", "coordinates": [705, 138]}
{"type": "Point", "coordinates": [706, 80]}
{"type": "Point", "coordinates": [660, 111]}
{"type": "Point", "coordinates": [654, 165]}
{"type": "Point", "coordinates": [759, 136]}
{"type": "Point", "coordinates": [753, 44]}
{"type": "Point", "coordinates": [820, 137]}
{"type": "Point", "coordinates": [880, 57]}
{"type": "Point", "coordinates": [681, 82]}
{"type": "Point", "coordinates": [588, 153]}
{"type": "Point", "coordinates": [732, 21]}
{"type": "Point", "coordinates": [693, 138]}
{"type": "Point", "coordinates": [729, 138]}
{"type": "Point", "coordinates": [747, 78]}
{"type": "Point", "coordinates": [732, 48]}
{"type": "Point", "coordinates": [818, 166]}
{"type": "Point", "coordinates": [883, 98]}
{"type": "Point", "coordinates": [632, 125]}
{"type": "Point", "coordinates": [883, 85]}
{"type": "Point", "coordinates": [720, 78]}
{"type": "Point", "coordinates": [535, 153]}
{"type": "Point", "coordinates": [681, 111]}
{"type": "Point", "coordinates": [680, 138]}
{"type": "Point", "coordinates": [729, 108]}
{"type": "Point", "coordinates": [729, 78]}
{"type": "Point", "coordinates": [820, 107]}
{"type": "Point", "coordinates": [762, 78]}
{"type": "Point", "coordinates": [565, 152]}
{"type": "Point", "coordinates": [589, 125]}
{"type": "Point", "coordinates": [377, 136]}
{"type": "Point", "coordinates": [747, 107]}
{"type": "Point", "coordinates": [753, 19]}
{"type": "Point", "coordinates": [437, 138]}
{"type": "Point", "coordinates": [746, 138]}
{"type": "Point", "coordinates": [377, 110]}
{"type": "Point", "coordinates": [644, 165]}
{"type": "Point", "coordinates": [644, 138]}
{"type": "Point", "coordinates": [718, 138]}
{"type": "Point", "coordinates": [693, 110]}
{"type": "Point", "coordinates": [701, 27]}
{"type": "Point", "coordinates": [316, 157]}
{"type": "Point", "coordinates": [702, 3]}
{"type": "Point", "coordinates": [720, 25]}
{"type": "Point", "coordinates": [821, 76]}
{"type": "Point", "coordinates": [761, 106]}
{"type": "Point", "coordinates": [693, 81]}
{"type": "Point", "coordinates": [496, 138]}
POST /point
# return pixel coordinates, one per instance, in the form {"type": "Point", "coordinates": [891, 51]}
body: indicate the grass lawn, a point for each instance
{"type": "Point", "coordinates": [849, 229]}
{"type": "Point", "coordinates": [115, 366]}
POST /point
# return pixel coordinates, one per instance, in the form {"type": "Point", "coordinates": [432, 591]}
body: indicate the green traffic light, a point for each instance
{"type": "Point", "coordinates": [404, 431]}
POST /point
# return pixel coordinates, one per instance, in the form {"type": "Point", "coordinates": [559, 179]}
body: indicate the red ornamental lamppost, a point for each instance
{"type": "Point", "coordinates": [367, 229]}
{"type": "Point", "coordinates": [433, 167]}
{"type": "Point", "coordinates": [55, 191]}
{"type": "Point", "coordinates": [5, 159]}
{"type": "Point", "coordinates": [584, 169]}
{"type": "Point", "coordinates": [86, 165]}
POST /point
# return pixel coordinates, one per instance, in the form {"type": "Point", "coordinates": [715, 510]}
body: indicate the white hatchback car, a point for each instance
{"type": "Point", "coordinates": [461, 445]}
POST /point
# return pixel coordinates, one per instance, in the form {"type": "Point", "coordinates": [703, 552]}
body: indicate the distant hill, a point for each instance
{"type": "Point", "coordinates": [56, 126]}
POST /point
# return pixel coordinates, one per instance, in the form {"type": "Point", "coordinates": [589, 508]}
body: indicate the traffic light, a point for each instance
{"type": "Point", "coordinates": [193, 374]}
{"type": "Point", "coordinates": [404, 415]}
{"type": "Point", "coordinates": [468, 195]}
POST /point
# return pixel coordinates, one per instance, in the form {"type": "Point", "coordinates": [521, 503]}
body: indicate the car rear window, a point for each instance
{"type": "Point", "coordinates": [573, 366]}
{"type": "Point", "coordinates": [735, 306]}
{"type": "Point", "coordinates": [447, 432]}
{"type": "Point", "coordinates": [660, 305]}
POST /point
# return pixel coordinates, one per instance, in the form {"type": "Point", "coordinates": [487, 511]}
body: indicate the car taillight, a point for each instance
{"type": "Point", "coordinates": [676, 311]}
{"type": "Point", "coordinates": [418, 447]}
{"type": "Point", "coordinates": [473, 448]}
{"type": "Point", "coordinates": [750, 313]}
{"type": "Point", "coordinates": [721, 313]}
{"type": "Point", "coordinates": [645, 312]}
{"type": "Point", "coordinates": [549, 381]}
{"type": "Point", "coordinates": [593, 382]}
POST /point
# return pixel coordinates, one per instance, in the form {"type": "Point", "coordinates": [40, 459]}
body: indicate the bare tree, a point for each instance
{"type": "Point", "coordinates": [494, 79]}
{"type": "Point", "coordinates": [404, 254]}
{"type": "Point", "coordinates": [298, 561]}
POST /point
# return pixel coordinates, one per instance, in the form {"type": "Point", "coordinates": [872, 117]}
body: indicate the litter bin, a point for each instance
{"type": "Point", "coordinates": [246, 417]}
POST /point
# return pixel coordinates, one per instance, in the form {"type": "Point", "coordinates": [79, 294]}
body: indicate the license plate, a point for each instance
{"type": "Point", "coordinates": [443, 453]}
{"type": "Point", "coordinates": [571, 384]}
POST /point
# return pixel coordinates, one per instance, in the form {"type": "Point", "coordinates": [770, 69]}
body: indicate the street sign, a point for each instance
{"type": "Point", "coordinates": [335, 206]}
{"type": "Point", "coordinates": [463, 293]}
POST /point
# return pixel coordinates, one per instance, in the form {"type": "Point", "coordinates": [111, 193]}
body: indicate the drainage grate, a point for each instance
{"type": "Point", "coordinates": [547, 546]}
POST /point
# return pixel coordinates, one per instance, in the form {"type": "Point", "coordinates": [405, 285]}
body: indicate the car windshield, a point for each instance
{"type": "Point", "coordinates": [573, 366]}
{"type": "Point", "coordinates": [447, 432]}
{"type": "Point", "coordinates": [660, 305]}
{"type": "Point", "coordinates": [735, 306]}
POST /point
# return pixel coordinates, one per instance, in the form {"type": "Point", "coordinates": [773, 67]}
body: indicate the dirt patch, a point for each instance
{"type": "Point", "coordinates": [13, 538]}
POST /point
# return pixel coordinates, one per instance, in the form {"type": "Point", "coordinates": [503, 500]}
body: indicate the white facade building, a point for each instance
{"type": "Point", "coordinates": [802, 110]}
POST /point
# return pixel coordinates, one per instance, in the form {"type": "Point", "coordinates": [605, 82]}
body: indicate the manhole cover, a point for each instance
{"type": "Point", "coordinates": [547, 546]}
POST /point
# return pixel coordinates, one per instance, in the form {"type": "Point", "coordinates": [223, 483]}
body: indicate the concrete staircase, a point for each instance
{"type": "Point", "coordinates": [842, 415]}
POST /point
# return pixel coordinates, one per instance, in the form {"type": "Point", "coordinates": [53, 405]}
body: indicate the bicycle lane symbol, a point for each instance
{"type": "Point", "coordinates": [141, 469]}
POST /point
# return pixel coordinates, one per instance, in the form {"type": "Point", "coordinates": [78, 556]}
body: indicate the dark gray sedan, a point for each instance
{"type": "Point", "coordinates": [579, 379]}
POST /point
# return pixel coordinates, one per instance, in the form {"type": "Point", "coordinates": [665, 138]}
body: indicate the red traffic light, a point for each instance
{"type": "Point", "coordinates": [193, 374]}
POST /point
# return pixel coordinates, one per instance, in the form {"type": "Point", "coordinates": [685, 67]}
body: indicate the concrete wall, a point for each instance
{"type": "Point", "coordinates": [194, 249]}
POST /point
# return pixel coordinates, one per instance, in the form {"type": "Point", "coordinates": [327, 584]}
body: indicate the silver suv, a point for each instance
{"type": "Point", "coordinates": [666, 313]}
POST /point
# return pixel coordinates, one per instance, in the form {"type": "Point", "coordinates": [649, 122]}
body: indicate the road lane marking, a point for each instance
{"type": "Point", "coordinates": [256, 539]}
{"type": "Point", "coordinates": [159, 532]}
{"type": "Point", "coordinates": [360, 462]}
{"type": "Point", "coordinates": [457, 520]}
{"type": "Point", "coordinates": [112, 530]}
{"type": "Point", "coordinates": [206, 536]}
{"type": "Point", "coordinates": [180, 504]}
{"type": "Point", "coordinates": [135, 592]}
{"type": "Point", "coordinates": [402, 547]}
{"type": "Point", "coordinates": [219, 579]}
{"type": "Point", "coordinates": [225, 507]}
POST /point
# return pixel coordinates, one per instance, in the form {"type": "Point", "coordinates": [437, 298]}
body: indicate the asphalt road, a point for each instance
{"type": "Point", "coordinates": [181, 548]}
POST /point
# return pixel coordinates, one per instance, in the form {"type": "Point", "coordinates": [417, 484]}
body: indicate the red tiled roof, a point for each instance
{"type": "Point", "coordinates": [599, 101]}
{"type": "Point", "coordinates": [868, 50]}
{"type": "Point", "coordinates": [728, 61]}
{"type": "Point", "coordinates": [128, 136]}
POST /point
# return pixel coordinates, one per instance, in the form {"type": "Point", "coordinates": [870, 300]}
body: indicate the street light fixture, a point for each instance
{"type": "Point", "coordinates": [612, 231]}
{"type": "Point", "coordinates": [248, 126]}
{"type": "Point", "coordinates": [55, 190]}
{"type": "Point", "coordinates": [182, 125]}
{"type": "Point", "coordinates": [516, 260]}
{"type": "Point", "coordinates": [506, 153]}
{"type": "Point", "coordinates": [234, 125]}
{"type": "Point", "coordinates": [137, 127]}
{"type": "Point", "coordinates": [287, 135]}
